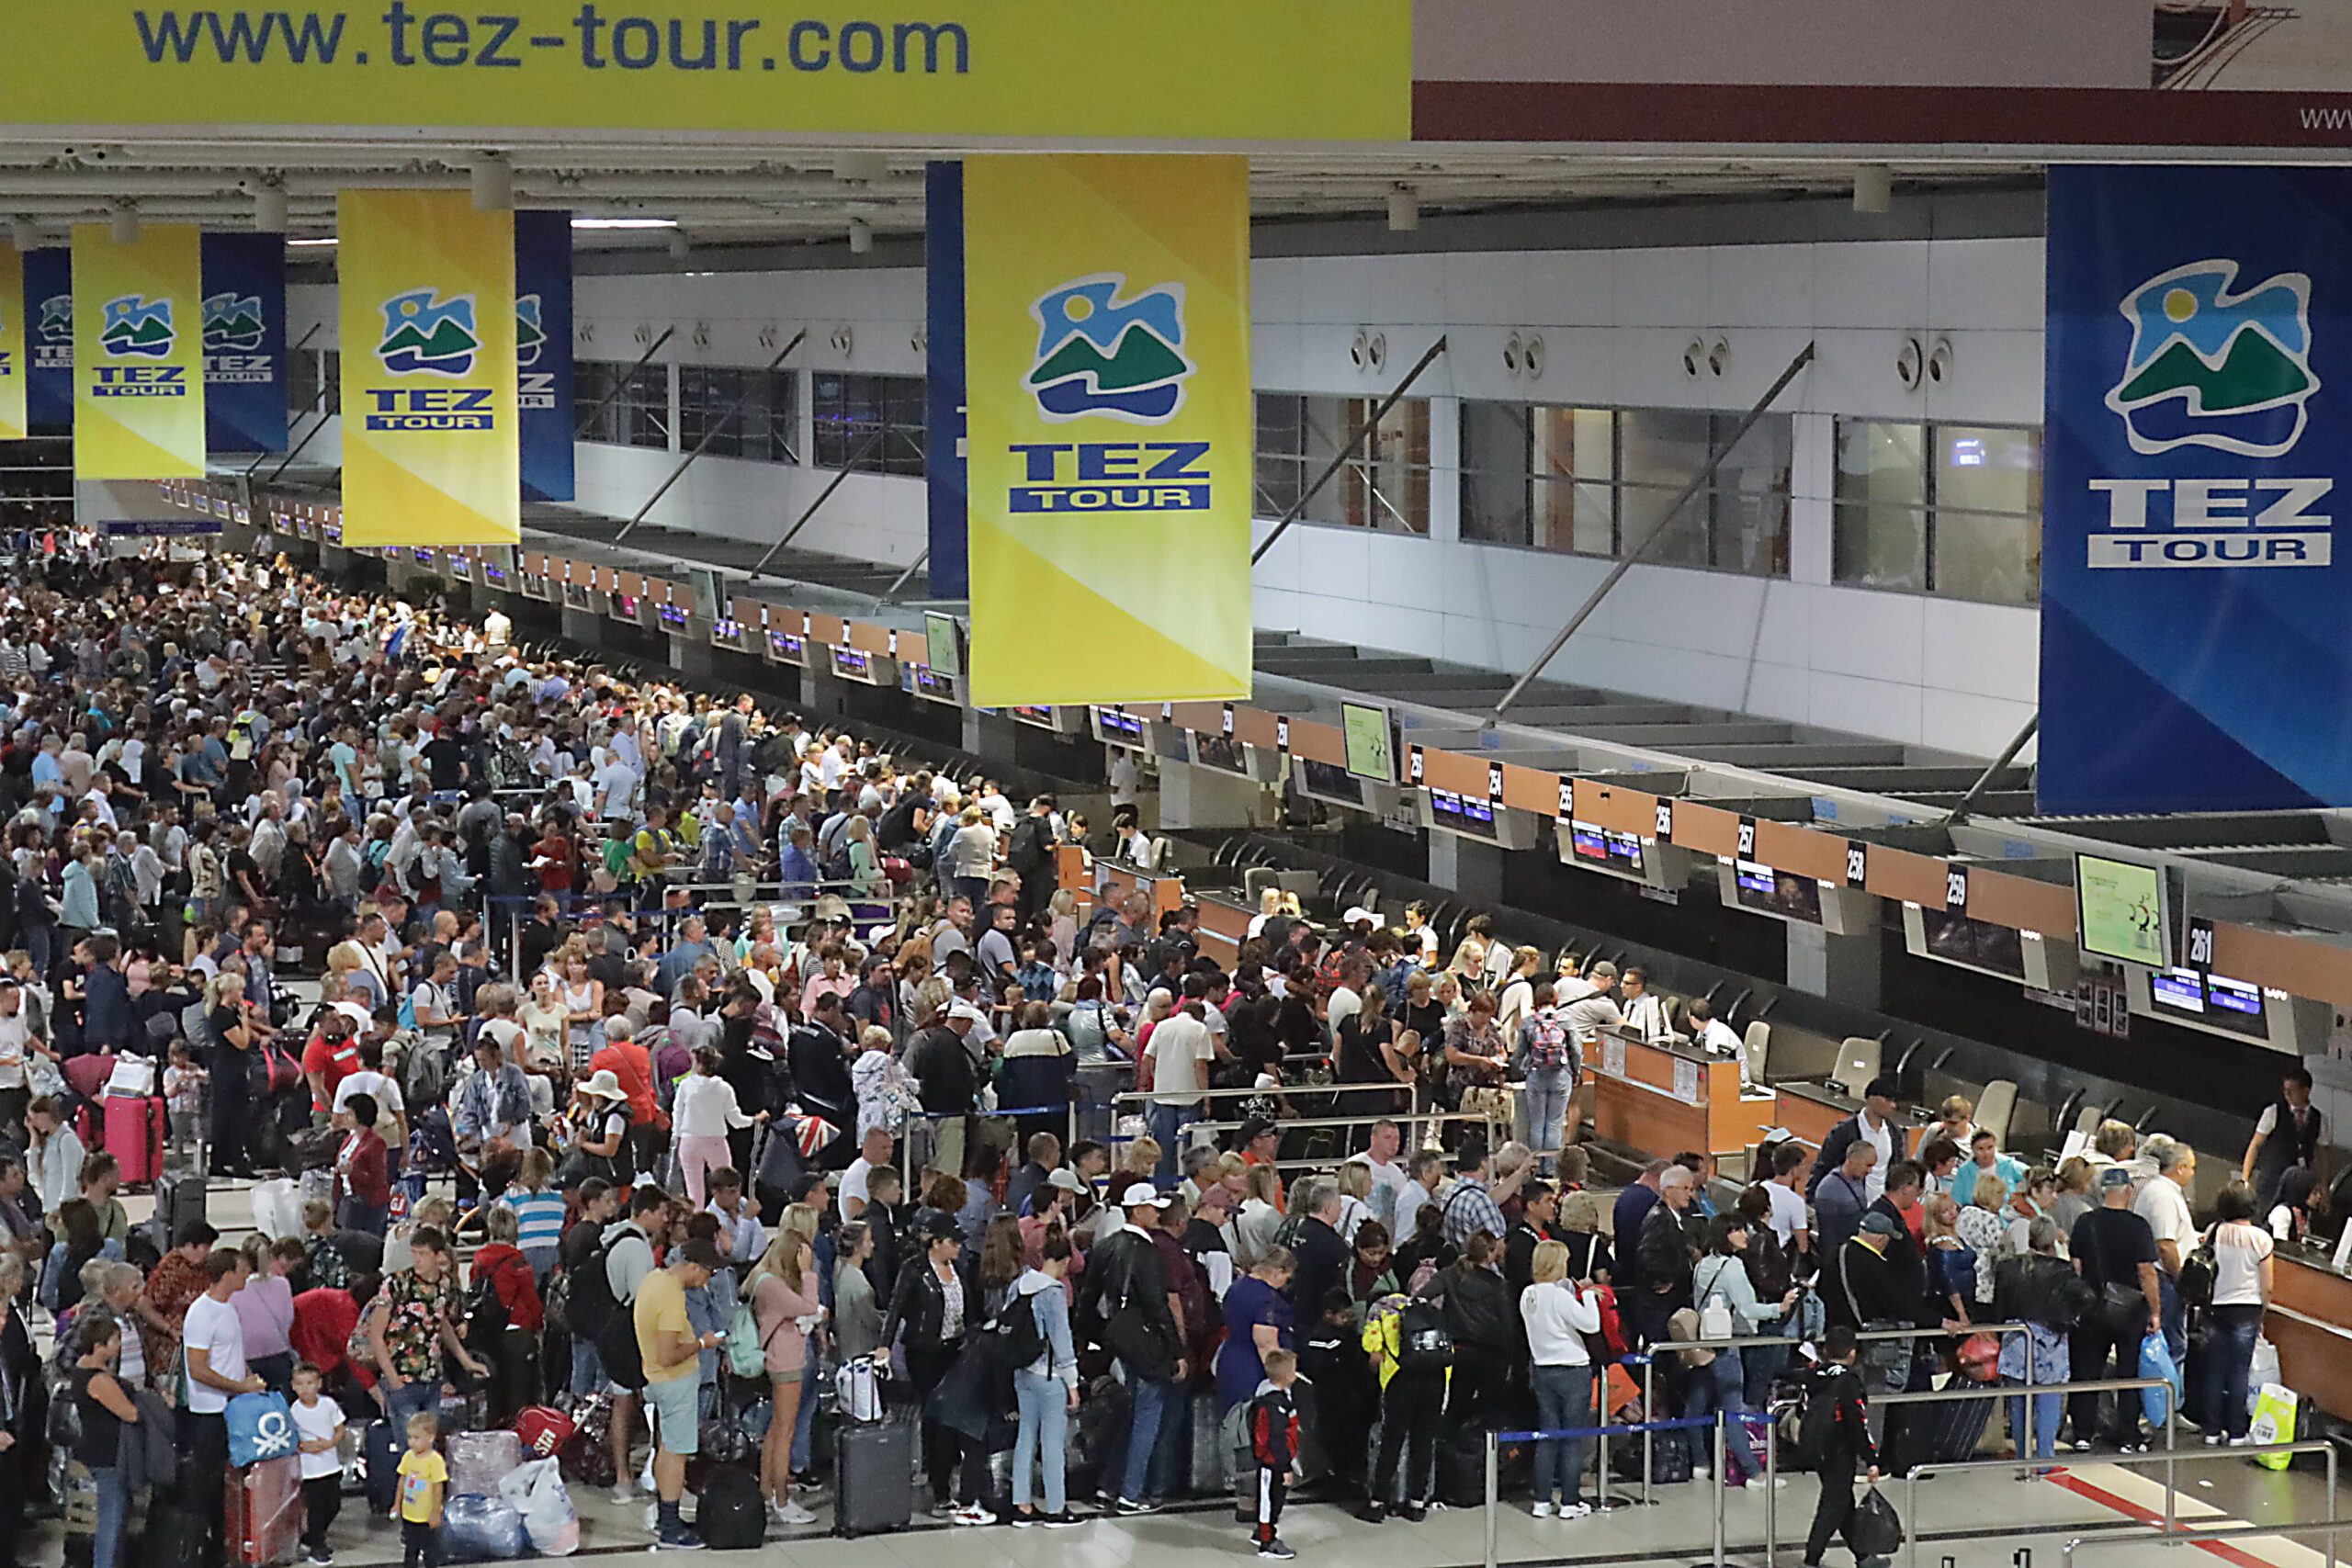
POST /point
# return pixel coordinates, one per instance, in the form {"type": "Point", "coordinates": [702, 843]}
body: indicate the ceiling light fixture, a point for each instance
{"type": "Point", "coordinates": [316, 243]}
{"type": "Point", "coordinates": [1404, 210]}
{"type": "Point", "coordinates": [493, 181]}
{"type": "Point", "coordinates": [1874, 189]}
{"type": "Point", "coordinates": [861, 237]}
{"type": "Point", "coordinates": [269, 209]}
{"type": "Point", "coordinates": [624, 222]}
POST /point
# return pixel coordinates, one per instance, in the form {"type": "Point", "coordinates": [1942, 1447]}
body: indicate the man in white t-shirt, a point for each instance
{"type": "Point", "coordinates": [1180, 1049]}
{"type": "Point", "coordinates": [1792, 1222]}
{"type": "Point", "coordinates": [16, 1059]}
{"type": "Point", "coordinates": [214, 1338]}
{"type": "Point", "coordinates": [372, 1080]}
{"type": "Point", "coordinates": [1389, 1178]}
{"type": "Point", "coordinates": [2163, 1203]}
{"type": "Point", "coordinates": [873, 1152]}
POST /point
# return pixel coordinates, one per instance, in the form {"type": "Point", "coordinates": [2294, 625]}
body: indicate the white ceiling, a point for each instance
{"type": "Point", "coordinates": [729, 195]}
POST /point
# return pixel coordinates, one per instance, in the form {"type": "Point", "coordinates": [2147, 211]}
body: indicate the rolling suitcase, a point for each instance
{"type": "Point", "coordinates": [731, 1517]}
{"type": "Point", "coordinates": [874, 1489]}
{"type": "Point", "coordinates": [137, 1127]}
{"type": "Point", "coordinates": [180, 1201]}
{"type": "Point", "coordinates": [380, 1451]}
{"type": "Point", "coordinates": [1934, 1432]}
{"type": "Point", "coordinates": [262, 1512]}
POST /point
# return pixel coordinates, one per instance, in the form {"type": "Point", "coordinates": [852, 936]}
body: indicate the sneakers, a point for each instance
{"type": "Point", "coordinates": [1575, 1510]}
{"type": "Point", "coordinates": [2213, 1439]}
{"type": "Point", "coordinates": [676, 1537]}
{"type": "Point", "coordinates": [624, 1495]}
{"type": "Point", "coordinates": [971, 1514]}
{"type": "Point", "coordinates": [791, 1513]}
{"type": "Point", "coordinates": [1129, 1506]}
{"type": "Point", "coordinates": [1276, 1548]}
{"type": "Point", "coordinates": [1414, 1513]}
{"type": "Point", "coordinates": [1061, 1521]}
{"type": "Point", "coordinates": [2082, 1445]}
{"type": "Point", "coordinates": [316, 1558]}
{"type": "Point", "coordinates": [1542, 1510]}
{"type": "Point", "coordinates": [2245, 1442]}
{"type": "Point", "coordinates": [1372, 1513]}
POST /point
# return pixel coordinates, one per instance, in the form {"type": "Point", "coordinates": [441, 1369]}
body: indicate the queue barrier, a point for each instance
{"type": "Point", "coordinates": [2168, 1527]}
{"type": "Point", "coordinates": [2222, 1536]}
{"type": "Point", "coordinates": [907, 1146]}
{"type": "Point", "coordinates": [1603, 1432]}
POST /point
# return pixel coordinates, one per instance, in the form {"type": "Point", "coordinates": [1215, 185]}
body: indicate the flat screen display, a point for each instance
{"type": "Point", "coordinates": [1980, 944]}
{"type": "Point", "coordinates": [2122, 912]}
{"type": "Point", "coordinates": [2214, 1001]}
{"type": "Point", "coordinates": [1113, 722]}
{"type": "Point", "coordinates": [1461, 813]}
{"type": "Point", "coordinates": [1371, 741]}
{"type": "Point", "coordinates": [854, 664]}
{"type": "Point", "coordinates": [675, 616]}
{"type": "Point", "coordinates": [936, 683]}
{"type": "Point", "coordinates": [787, 648]}
{"type": "Point", "coordinates": [576, 595]}
{"type": "Point", "coordinates": [1625, 852]}
{"type": "Point", "coordinates": [1588, 843]}
{"type": "Point", "coordinates": [1220, 752]}
{"type": "Point", "coordinates": [625, 606]}
{"type": "Point", "coordinates": [944, 639]}
{"type": "Point", "coordinates": [1767, 891]}
{"type": "Point", "coordinates": [1044, 715]}
{"type": "Point", "coordinates": [1331, 783]}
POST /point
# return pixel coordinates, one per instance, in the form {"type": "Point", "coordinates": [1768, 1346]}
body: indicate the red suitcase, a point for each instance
{"type": "Point", "coordinates": [262, 1512]}
{"type": "Point", "coordinates": [137, 1127]}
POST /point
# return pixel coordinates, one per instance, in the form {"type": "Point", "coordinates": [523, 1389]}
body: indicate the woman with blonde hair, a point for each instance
{"type": "Point", "coordinates": [1558, 1313]}
{"type": "Point", "coordinates": [782, 1289]}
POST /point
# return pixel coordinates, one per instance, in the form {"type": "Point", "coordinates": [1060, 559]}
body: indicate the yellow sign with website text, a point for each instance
{"type": "Point", "coordinates": [1192, 70]}
{"type": "Point", "coordinates": [138, 354]}
{"type": "Point", "coordinates": [12, 344]}
{"type": "Point", "coordinates": [430, 449]}
{"type": "Point", "coordinates": [1107, 354]}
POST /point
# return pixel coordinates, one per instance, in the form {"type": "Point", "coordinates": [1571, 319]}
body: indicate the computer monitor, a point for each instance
{"type": "Point", "coordinates": [2124, 911]}
{"type": "Point", "coordinates": [1371, 736]}
{"type": "Point", "coordinates": [944, 639]}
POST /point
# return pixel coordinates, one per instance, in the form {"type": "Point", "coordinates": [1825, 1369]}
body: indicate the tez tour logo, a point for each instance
{"type": "Point", "coordinates": [1100, 354]}
{"type": "Point", "coordinates": [134, 325]}
{"type": "Point", "coordinates": [530, 331]}
{"type": "Point", "coordinates": [57, 319]}
{"type": "Point", "coordinates": [233, 323]}
{"type": "Point", "coordinates": [2211, 369]}
{"type": "Point", "coordinates": [423, 333]}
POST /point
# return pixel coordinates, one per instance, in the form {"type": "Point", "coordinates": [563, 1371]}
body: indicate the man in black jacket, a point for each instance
{"type": "Point", "coordinates": [1662, 1252]}
{"type": "Point", "coordinates": [1873, 1123]}
{"type": "Point", "coordinates": [1123, 1307]}
{"type": "Point", "coordinates": [947, 1082]}
{"type": "Point", "coordinates": [820, 1075]}
{"type": "Point", "coordinates": [1846, 1450]}
{"type": "Point", "coordinates": [1322, 1256]}
{"type": "Point", "coordinates": [1905, 1183]}
{"type": "Point", "coordinates": [1029, 854]}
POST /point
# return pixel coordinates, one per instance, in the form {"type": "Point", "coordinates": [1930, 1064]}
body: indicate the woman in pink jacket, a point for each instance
{"type": "Point", "coordinates": [783, 1292]}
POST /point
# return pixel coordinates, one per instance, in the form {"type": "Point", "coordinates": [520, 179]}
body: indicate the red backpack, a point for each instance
{"type": "Point", "coordinates": [1612, 1327]}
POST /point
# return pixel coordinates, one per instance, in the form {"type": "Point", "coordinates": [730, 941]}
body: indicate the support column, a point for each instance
{"type": "Point", "coordinates": [1468, 867]}
{"type": "Point", "coordinates": [988, 737]}
{"type": "Point", "coordinates": [826, 693]}
{"type": "Point", "coordinates": [690, 657]}
{"type": "Point", "coordinates": [1842, 968]}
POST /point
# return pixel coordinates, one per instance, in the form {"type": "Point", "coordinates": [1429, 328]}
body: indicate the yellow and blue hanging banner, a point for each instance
{"type": "Point", "coordinates": [14, 367]}
{"type": "Point", "coordinates": [138, 354]}
{"type": "Point", "coordinates": [1109, 426]}
{"type": "Point", "coordinates": [430, 426]}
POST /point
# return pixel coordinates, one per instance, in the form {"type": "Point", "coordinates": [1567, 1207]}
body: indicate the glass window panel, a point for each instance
{"type": "Point", "coordinates": [1575, 469]}
{"type": "Point", "coordinates": [869, 423]}
{"type": "Point", "coordinates": [1945, 509]}
{"type": "Point", "coordinates": [1495, 475]}
{"type": "Point", "coordinates": [1660, 451]}
{"type": "Point", "coordinates": [1990, 555]}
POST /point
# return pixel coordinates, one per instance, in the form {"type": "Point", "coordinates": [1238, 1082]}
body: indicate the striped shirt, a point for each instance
{"type": "Point", "coordinates": [538, 1217]}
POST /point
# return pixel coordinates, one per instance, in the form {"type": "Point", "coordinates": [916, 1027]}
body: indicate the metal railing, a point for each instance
{"type": "Point", "coordinates": [2327, 1528]}
{"type": "Point", "coordinates": [2169, 1525]}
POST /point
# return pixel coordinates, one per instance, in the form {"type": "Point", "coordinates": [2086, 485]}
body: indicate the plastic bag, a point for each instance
{"type": "Point", "coordinates": [479, 1461]}
{"type": "Point", "coordinates": [2155, 1361]}
{"type": "Point", "coordinates": [261, 1426]}
{"type": "Point", "coordinates": [2264, 1370]}
{"type": "Point", "coordinates": [535, 1491]}
{"type": "Point", "coordinates": [278, 1208]}
{"type": "Point", "coordinates": [1876, 1530]}
{"type": "Point", "coordinates": [481, 1529]}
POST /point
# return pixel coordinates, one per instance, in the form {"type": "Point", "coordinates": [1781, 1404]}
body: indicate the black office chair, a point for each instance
{"type": "Point", "coordinates": [1942, 1057]}
{"type": "Point", "coordinates": [1732, 1011]}
{"type": "Point", "coordinates": [2147, 1117]}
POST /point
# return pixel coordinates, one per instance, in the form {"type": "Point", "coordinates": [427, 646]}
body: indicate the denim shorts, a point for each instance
{"type": "Point", "coordinates": [675, 1409]}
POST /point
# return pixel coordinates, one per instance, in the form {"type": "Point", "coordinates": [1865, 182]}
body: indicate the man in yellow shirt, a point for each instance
{"type": "Point", "coordinates": [672, 1355]}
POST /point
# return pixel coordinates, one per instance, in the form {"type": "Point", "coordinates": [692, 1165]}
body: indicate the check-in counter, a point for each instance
{"type": "Point", "coordinates": [2311, 1322]}
{"type": "Point", "coordinates": [1669, 1095]}
{"type": "Point", "coordinates": [1070, 872]}
{"type": "Point", "coordinates": [1115, 881]}
{"type": "Point", "coordinates": [1225, 926]}
{"type": "Point", "coordinates": [1808, 1111]}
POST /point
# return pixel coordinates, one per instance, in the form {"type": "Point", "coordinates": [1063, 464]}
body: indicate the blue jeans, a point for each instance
{"type": "Point", "coordinates": [2043, 1352]}
{"type": "Point", "coordinates": [1044, 1430]}
{"type": "Point", "coordinates": [1168, 1123]}
{"type": "Point", "coordinates": [1760, 1364]}
{"type": "Point", "coordinates": [1544, 1105]}
{"type": "Point", "coordinates": [1151, 1402]}
{"type": "Point", "coordinates": [417, 1398]}
{"type": "Point", "coordinates": [587, 1368]}
{"type": "Point", "coordinates": [2227, 1366]}
{"type": "Point", "coordinates": [805, 1422]}
{"type": "Point", "coordinates": [2173, 1317]}
{"type": "Point", "coordinates": [1563, 1398]}
{"type": "Point", "coordinates": [114, 1512]}
{"type": "Point", "coordinates": [1172, 1460]}
{"type": "Point", "coordinates": [1721, 1385]}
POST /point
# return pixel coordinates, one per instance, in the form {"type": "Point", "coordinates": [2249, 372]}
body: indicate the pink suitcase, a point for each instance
{"type": "Point", "coordinates": [136, 1130]}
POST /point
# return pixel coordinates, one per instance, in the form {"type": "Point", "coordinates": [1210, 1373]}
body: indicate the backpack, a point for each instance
{"type": "Point", "coordinates": [617, 853]}
{"type": "Point", "coordinates": [486, 1316]}
{"type": "Point", "coordinates": [588, 1295]}
{"type": "Point", "coordinates": [1026, 849]}
{"type": "Point", "coordinates": [1548, 1043]}
{"type": "Point", "coordinates": [2198, 1272]}
{"type": "Point", "coordinates": [747, 1352]}
{"type": "Point", "coordinates": [1423, 1342]}
{"type": "Point", "coordinates": [1817, 1427]}
{"type": "Point", "coordinates": [1013, 1340]}
{"type": "Point", "coordinates": [425, 1073]}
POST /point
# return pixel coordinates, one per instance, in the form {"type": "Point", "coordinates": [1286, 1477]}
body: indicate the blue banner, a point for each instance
{"type": "Point", "coordinates": [244, 343]}
{"type": "Point", "coordinates": [543, 352]}
{"type": "Point", "coordinates": [2198, 383]}
{"type": "Point", "coordinates": [49, 340]}
{"type": "Point", "coordinates": [943, 465]}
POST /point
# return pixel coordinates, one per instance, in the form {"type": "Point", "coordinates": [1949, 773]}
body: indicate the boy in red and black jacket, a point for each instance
{"type": "Point", "coordinates": [1845, 1449]}
{"type": "Point", "coordinates": [1274, 1443]}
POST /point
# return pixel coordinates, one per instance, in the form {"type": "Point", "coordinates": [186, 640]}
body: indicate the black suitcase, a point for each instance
{"type": "Point", "coordinates": [380, 1445]}
{"type": "Point", "coordinates": [874, 1490]}
{"type": "Point", "coordinates": [1936, 1431]}
{"type": "Point", "coordinates": [180, 1201]}
{"type": "Point", "coordinates": [730, 1515]}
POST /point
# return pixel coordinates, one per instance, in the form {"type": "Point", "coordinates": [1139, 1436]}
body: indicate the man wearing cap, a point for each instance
{"type": "Point", "coordinates": [1587, 1005]}
{"type": "Point", "coordinates": [1873, 1124]}
{"type": "Point", "coordinates": [2115, 1252]}
{"type": "Point", "coordinates": [947, 1082]}
{"type": "Point", "coordinates": [1123, 1307]}
{"type": "Point", "coordinates": [672, 1356]}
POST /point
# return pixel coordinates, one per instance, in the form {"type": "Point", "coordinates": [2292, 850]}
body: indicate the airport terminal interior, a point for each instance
{"type": "Point", "coordinates": [1781, 547]}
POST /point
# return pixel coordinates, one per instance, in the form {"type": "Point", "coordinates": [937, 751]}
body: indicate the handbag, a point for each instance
{"type": "Point", "coordinates": [2122, 1309]}
{"type": "Point", "coordinates": [1717, 1320]}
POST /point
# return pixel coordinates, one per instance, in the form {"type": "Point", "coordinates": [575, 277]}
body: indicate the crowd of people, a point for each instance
{"type": "Point", "coordinates": [585, 1112]}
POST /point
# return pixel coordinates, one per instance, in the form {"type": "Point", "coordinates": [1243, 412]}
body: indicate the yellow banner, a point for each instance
{"type": "Point", "coordinates": [13, 364]}
{"type": "Point", "coordinates": [1107, 354]}
{"type": "Point", "coordinates": [138, 354]}
{"type": "Point", "coordinates": [429, 423]}
{"type": "Point", "coordinates": [1193, 70]}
